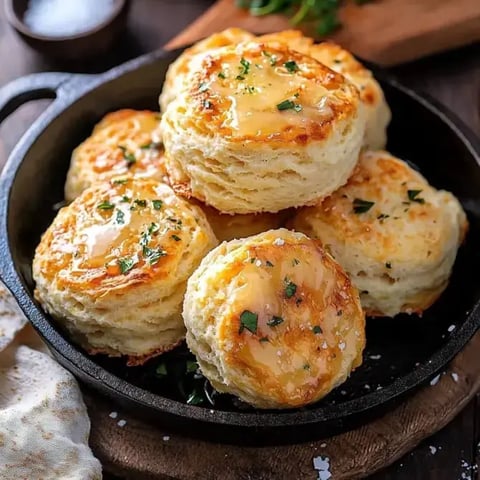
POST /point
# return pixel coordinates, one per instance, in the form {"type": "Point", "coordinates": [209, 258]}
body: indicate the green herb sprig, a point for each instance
{"type": "Point", "coordinates": [323, 13]}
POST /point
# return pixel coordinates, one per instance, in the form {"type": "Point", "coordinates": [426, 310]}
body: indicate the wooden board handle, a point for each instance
{"type": "Point", "coordinates": [387, 32]}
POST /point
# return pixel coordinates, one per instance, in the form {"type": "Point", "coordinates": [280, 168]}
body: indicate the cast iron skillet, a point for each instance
{"type": "Point", "coordinates": [402, 353]}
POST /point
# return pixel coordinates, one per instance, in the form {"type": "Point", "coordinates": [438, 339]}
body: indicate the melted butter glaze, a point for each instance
{"type": "Point", "coordinates": [124, 141]}
{"type": "Point", "coordinates": [124, 229]}
{"type": "Point", "coordinates": [296, 359]}
{"type": "Point", "coordinates": [243, 88]}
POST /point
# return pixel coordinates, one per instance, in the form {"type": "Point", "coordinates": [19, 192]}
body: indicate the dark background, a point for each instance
{"type": "Point", "coordinates": [453, 78]}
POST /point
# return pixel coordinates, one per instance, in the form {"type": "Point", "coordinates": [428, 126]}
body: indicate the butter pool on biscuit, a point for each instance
{"type": "Point", "coordinates": [112, 267]}
{"type": "Point", "coordinates": [394, 234]}
{"type": "Point", "coordinates": [273, 319]}
{"type": "Point", "coordinates": [262, 128]}
{"type": "Point", "coordinates": [125, 142]}
{"type": "Point", "coordinates": [342, 61]}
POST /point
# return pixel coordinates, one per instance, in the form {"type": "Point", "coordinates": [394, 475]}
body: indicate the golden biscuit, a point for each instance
{"type": "Point", "coordinates": [261, 129]}
{"type": "Point", "coordinates": [112, 268]}
{"type": "Point", "coordinates": [394, 234]}
{"type": "Point", "coordinates": [123, 142]}
{"type": "Point", "coordinates": [274, 320]}
{"type": "Point", "coordinates": [228, 227]}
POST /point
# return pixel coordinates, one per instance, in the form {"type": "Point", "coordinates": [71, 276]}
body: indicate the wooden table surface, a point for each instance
{"type": "Point", "coordinates": [453, 78]}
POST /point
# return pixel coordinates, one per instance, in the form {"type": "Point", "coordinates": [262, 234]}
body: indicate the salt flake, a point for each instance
{"type": "Point", "coordinates": [322, 464]}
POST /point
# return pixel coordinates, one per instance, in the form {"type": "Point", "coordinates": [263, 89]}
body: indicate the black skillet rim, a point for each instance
{"type": "Point", "coordinates": [119, 388]}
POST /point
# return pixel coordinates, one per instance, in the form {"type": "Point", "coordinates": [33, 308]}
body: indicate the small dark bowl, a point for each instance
{"type": "Point", "coordinates": [93, 42]}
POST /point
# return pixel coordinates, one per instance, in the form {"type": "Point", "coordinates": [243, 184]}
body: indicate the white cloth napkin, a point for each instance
{"type": "Point", "coordinates": [44, 426]}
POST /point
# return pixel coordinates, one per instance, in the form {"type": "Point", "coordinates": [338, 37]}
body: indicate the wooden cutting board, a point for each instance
{"type": "Point", "coordinates": [387, 32]}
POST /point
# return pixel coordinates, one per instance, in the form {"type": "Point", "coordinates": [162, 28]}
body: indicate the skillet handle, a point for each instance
{"type": "Point", "coordinates": [30, 87]}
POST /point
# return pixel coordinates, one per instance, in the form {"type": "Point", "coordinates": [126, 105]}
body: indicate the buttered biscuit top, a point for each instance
{"type": "Point", "coordinates": [273, 319]}
{"type": "Point", "coordinates": [125, 142]}
{"type": "Point", "coordinates": [395, 235]}
{"type": "Point", "coordinates": [257, 119]}
{"type": "Point", "coordinates": [265, 92]}
{"type": "Point", "coordinates": [181, 67]}
{"type": "Point", "coordinates": [112, 266]}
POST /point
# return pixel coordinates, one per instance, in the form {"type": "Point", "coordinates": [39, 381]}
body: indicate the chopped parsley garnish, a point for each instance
{"type": "Point", "coordinates": [290, 288]}
{"type": "Point", "coordinates": [362, 206]}
{"type": "Point", "coordinates": [207, 104]}
{"type": "Point", "coordinates": [339, 313]}
{"type": "Point", "coordinates": [178, 223]}
{"type": "Point", "coordinates": [144, 240]}
{"type": "Point", "coordinates": [176, 238]}
{"type": "Point", "coordinates": [152, 256]}
{"type": "Point", "coordinates": [337, 61]}
{"type": "Point", "coordinates": [140, 203]}
{"type": "Point", "coordinates": [151, 146]}
{"type": "Point", "coordinates": [249, 321]}
{"type": "Point", "coordinates": [195, 398]}
{"type": "Point", "coordinates": [203, 87]}
{"type": "Point", "coordinates": [306, 366]}
{"type": "Point", "coordinates": [161, 370]}
{"type": "Point", "coordinates": [382, 216]}
{"type": "Point", "coordinates": [388, 265]}
{"type": "Point", "coordinates": [221, 75]}
{"type": "Point", "coordinates": [289, 105]}
{"type": "Point", "coordinates": [317, 330]}
{"type": "Point", "coordinates": [268, 263]}
{"type": "Point", "coordinates": [157, 204]}
{"type": "Point", "coordinates": [413, 196]}
{"type": "Point", "coordinates": [264, 339]}
{"type": "Point", "coordinates": [125, 199]}
{"type": "Point", "coordinates": [105, 205]}
{"type": "Point", "coordinates": [250, 89]}
{"type": "Point", "coordinates": [295, 261]}
{"type": "Point", "coordinates": [129, 157]}
{"type": "Point", "coordinates": [275, 321]}
{"type": "Point", "coordinates": [245, 66]}
{"type": "Point", "coordinates": [291, 66]}
{"type": "Point", "coordinates": [120, 217]}
{"type": "Point", "coordinates": [126, 264]}
{"type": "Point", "coordinates": [120, 181]}
{"type": "Point", "coordinates": [191, 366]}
{"type": "Point", "coordinates": [273, 58]}
{"type": "Point", "coordinates": [153, 228]}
